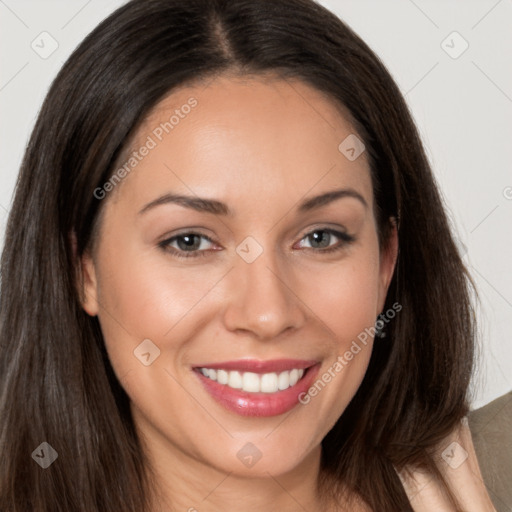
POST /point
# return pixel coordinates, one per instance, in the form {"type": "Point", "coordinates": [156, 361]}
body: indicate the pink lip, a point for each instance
{"type": "Point", "coordinates": [259, 404]}
{"type": "Point", "coordinates": [255, 366]}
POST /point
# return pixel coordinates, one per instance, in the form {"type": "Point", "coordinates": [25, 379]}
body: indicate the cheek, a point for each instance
{"type": "Point", "coordinates": [345, 295]}
{"type": "Point", "coordinates": [345, 301]}
{"type": "Point", "coordinates": [142, 297]}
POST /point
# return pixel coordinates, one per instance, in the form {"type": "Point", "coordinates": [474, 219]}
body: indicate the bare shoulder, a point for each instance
{"type": "Point", "coordinates": [459, 465]}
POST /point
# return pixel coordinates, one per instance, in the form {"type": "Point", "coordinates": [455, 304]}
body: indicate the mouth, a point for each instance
{"type": "Point", "coordinates": [257, 388]}
{"type": "Point", "coordinates": [253, 382]}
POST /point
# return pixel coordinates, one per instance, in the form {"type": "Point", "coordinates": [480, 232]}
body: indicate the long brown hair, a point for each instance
{"type": "Point", "coordinates": [57, 384]}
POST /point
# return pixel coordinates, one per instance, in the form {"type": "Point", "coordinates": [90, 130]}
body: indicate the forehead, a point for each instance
{"type": "Point", "coordinates": [235, 137]}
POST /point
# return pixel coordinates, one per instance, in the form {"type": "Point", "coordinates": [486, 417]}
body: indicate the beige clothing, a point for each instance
{"type": "Point", "coordinates": [491, 430]}
{"type": "Point", "coordinates": [475, 457]}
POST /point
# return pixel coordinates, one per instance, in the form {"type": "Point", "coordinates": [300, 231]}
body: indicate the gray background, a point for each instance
{"type": "Point", "coordinates": [461, 101]}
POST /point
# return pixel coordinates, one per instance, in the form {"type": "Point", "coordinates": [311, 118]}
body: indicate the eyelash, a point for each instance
{"type": "Point", "coordinates": [345, 239]}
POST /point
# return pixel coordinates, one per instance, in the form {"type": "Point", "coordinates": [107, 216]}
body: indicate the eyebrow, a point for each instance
{"type": "Point", "coordinates": [215, 207]}
{"type": "Point", "coordinates": [329, 197]}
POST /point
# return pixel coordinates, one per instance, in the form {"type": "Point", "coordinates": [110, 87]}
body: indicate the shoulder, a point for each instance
{"type": "Point", "coordinates": [491, 430]}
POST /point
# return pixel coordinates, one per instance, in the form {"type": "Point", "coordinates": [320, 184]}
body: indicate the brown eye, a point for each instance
{"type": "Point", "coordinates": [191, 243]}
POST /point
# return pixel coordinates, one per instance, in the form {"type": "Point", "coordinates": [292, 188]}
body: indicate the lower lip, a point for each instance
{"type": "Point", "coordinates": [259, 404]}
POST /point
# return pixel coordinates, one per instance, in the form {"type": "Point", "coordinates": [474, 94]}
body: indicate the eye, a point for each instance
{"type": "Point", "coordinates": [191, 244]}
{"type": "Point", "coordinates": [322, 239]}
{"type": "Point", "coordinates": [187, 245]}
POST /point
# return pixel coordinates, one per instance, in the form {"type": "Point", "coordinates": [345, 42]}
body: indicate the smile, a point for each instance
{"type": "Point", "coordinates": [250, 387]}
{"type": "Point", "coordinates": [254, 382]}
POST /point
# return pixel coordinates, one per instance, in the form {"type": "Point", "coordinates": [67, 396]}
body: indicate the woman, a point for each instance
{"type": "Point", "coordinates": [228, 278]}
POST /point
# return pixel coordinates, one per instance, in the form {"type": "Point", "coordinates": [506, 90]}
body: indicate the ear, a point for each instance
{"type": "Point", "coordinates": [388, 258]}
{"type": "Point", "coordinates": [89, 285]}
{"type": "Point", "coordinates": [86, 279]}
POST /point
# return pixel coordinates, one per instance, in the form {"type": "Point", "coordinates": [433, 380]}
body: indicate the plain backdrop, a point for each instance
{"type": "Point", "coordinates": [451, 59]}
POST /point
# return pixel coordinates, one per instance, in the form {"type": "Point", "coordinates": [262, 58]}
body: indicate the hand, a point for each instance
{"type": "Point", "coordinates": [456, 459]}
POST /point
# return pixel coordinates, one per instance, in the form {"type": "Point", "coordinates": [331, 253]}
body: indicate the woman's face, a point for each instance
{"type": "Point", "coordinates": [240, 244]}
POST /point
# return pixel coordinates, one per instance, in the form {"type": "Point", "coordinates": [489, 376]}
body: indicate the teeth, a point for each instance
{"type": "Point", "coordinates": [294, 377]}
{"type": "Point", "coordinates": [222, 377]}
{"type": "Point", "coordinates": [234, 380]}
{"type": "Point", "coordinates": [268, 383]}
{"type": "Point", "coordinates": [283, 380]}
{"type": "Point", "coordinates": [255, 382]}
{"type": "Point", "coordinates": [250, 382]}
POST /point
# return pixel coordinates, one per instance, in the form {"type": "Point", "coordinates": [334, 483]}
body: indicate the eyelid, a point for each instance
{"type": "Point", "coordinates": [324, 227]}
{"type": "Point", "coordinates": [187, 231]}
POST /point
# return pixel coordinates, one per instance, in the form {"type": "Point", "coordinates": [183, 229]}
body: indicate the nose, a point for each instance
{"type": "Point", "coordinates": [261, 300]}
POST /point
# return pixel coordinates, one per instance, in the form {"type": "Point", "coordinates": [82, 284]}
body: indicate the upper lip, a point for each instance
{"type": "Point", "coordinates": [257, 366]}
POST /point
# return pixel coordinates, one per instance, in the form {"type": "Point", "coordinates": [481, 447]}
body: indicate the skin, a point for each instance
{"type": "Point", "coordinates": [261, 146]}
{"type": "Point", "coordinates": [456, 458]}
